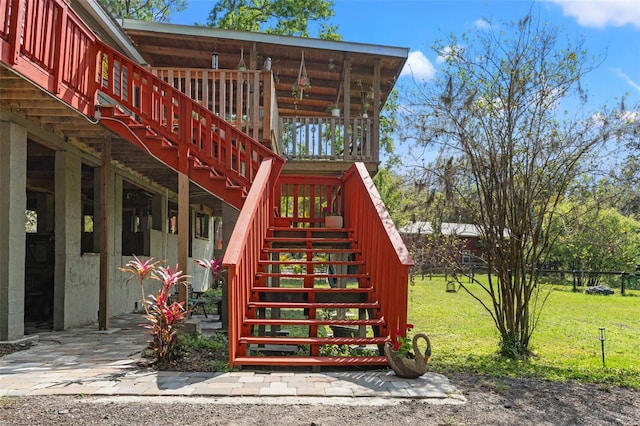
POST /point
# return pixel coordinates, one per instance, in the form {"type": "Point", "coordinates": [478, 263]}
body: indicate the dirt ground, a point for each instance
{"type": "Point", "coordinates": [489, 402]}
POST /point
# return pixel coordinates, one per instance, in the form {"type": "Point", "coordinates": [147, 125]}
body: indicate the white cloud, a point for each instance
{"type": "Point", "coordinates": [626, 79]}
{"type": "Point", "coordinates": [602, 13]}
{"type": "Point", "coordinates": [482, 24]}
{"type": "Point", "coordinates": [418, 67]}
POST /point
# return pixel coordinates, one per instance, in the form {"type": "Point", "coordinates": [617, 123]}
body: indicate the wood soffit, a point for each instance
{"type": "Point", "coordinates": [178, 46]}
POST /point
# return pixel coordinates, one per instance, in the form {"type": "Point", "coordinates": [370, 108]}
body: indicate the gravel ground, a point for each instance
{"type": "Point", "coordinates": [489, 402]}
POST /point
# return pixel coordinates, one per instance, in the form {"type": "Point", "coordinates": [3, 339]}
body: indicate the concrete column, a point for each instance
{"type": "Point", "coordinates": [13, 199]}
{"type": "Point", "coordinates": [229, 219]}
{"type": "Point", "coordinates": [70, 300]}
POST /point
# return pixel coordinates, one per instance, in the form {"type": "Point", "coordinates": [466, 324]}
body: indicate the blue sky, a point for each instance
{"type": "Point", "coordinates": [608, 26]}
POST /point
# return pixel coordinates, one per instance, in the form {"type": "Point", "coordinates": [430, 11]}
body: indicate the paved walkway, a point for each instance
{"type": "Point", "coordinates": [86, 361]}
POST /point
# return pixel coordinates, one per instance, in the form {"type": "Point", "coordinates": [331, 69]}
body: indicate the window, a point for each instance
{"type": "Point", "coordinates": [202, 225]}
{"type": "Point", "coordinates": [89, 240]}
{"type": "Point", "coordinates": [172, 218]}
{"type": "Point", "coordinates": [466, 257]}
{"type": "Point", "coordinates": [31, 221]}
{"type": "Point", "coordinates": [136, 220]}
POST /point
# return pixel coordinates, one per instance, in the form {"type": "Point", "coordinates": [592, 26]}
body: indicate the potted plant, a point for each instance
{"type": "Point", "coordinates": [298, 88]}
{"type": "Point", "coordinates": [334, 109]}
{"type": "Point", "coordinates": [404, 354]}
{"type": "Point", "coordinates": [332, 219]}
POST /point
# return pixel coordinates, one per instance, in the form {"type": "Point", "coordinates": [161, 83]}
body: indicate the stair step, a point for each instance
{"type": "Point", "coordinates": [126, 118]}
{"type": "Point", "coordinates": [303, 240]}
{"type": "Point", "coordinates": [309, 230]}
{"type": "Point", "coordinates": [261, 340]}
{"type": "Point", "coordinates": [312, 262]}
{"type": "Point", "coordinates": [311, 290]}
{"type": "Point", "coordinates": [311, 322]}
{"type": "Point", "coordinates": [314, 305]}
{"type": "Point", "coordinates": [309, 250]}
{"type": "Point", "coordinates": [310, 360]}
{"type": "Point", "coordinates": [316, 276]}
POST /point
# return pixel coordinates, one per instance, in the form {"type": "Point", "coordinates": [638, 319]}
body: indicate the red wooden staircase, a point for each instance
{"type": "Point", "coordinates": [310, 300]}
{"type": "Point", "coordinates": [303, 294]}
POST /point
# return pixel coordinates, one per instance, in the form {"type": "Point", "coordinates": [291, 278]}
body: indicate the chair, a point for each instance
{"type": "Point", "coordinates": [197, 301]}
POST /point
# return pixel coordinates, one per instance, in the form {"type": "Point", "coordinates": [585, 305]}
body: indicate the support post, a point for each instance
{"type": "Point", "coordinates": [13, 198]}
{"type": "Point", "coordinates": [105, 196]}
{"type": "Point", "coordinates": [377, 105]}
{"type": "Point", "coordinates": [183, 230]}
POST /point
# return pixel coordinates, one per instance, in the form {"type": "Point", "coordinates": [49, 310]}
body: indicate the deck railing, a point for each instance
{"type": "Point", "coordinates": [304, 200]}
{"type": "Point", "coordinates": [328, 138]}
{"type": "Point", "coordinates": [46, 41]}
{"type": "Point", "coordinates": [243, 98]}
{"type": "Point", "coordinates": [232, 95]}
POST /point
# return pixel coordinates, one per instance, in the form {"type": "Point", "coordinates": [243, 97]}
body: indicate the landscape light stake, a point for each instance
{"type": "Point", "coordinates": [602, 344]}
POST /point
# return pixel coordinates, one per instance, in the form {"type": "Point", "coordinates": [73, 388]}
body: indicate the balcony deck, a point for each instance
{"type": "Point", "coordinates": [311, 143]}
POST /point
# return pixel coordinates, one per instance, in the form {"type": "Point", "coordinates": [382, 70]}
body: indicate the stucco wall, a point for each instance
{"type": "Point", "coordinates": [13, 167]}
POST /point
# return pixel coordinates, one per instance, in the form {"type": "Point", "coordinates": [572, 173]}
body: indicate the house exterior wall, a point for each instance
{"type": "Point", "coordinates": [77, 274]}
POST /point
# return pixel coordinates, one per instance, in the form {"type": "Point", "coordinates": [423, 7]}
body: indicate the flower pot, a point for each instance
{"type": "Point", "coordinates": [335, 112]}
{"type": "Point", "coordinates": [409, 368]}
{"type": "Point", "coordinates": [333, 221]}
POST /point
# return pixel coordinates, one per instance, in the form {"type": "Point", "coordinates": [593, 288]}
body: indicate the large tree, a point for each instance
{"type": "Point", "coordinates": [145, 10]}
{"type": "Point", "coordinates": [509, 151]}
{"type": "Point", "coordinates": [285, 17]}
{"type": "Point", "coordinates": [593, 237]}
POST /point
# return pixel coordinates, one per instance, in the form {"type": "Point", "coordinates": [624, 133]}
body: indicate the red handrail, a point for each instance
{"type": "Point", "coordinates": [386, 257]}
{"type": "Point", "coordinates": [180, 119]}
{"type": "Point", "coordinates": [243, 252]}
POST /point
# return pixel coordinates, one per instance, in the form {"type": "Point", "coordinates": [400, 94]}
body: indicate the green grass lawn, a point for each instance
{"type": "Point", "coordinates": [566, 342]}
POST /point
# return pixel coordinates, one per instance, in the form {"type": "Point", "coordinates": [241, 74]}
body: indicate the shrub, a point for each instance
{"type": "Point", "coordinates": [163, 315]}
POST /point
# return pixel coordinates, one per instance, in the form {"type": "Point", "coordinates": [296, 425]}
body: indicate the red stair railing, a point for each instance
{"type": "Point", "coordinates": [303, 199]}
{"type": "Point", "coordinates": [386, 257]}
{"type": "Point", "coordinates": [181, 120]}
{"type": "Point", "coordinates": [243, 253]}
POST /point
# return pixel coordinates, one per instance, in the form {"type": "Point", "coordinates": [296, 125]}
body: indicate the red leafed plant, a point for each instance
{"type": "Point", "coordinates": [162, 314]}
{"type": "Point", "coordinates": [213, 267]}
{"type": "Point", "coordinates": [402, 344]}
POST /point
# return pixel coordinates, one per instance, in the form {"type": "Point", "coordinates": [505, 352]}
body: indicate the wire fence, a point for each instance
{"type": "Point", "coordinates": [578, 280]}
